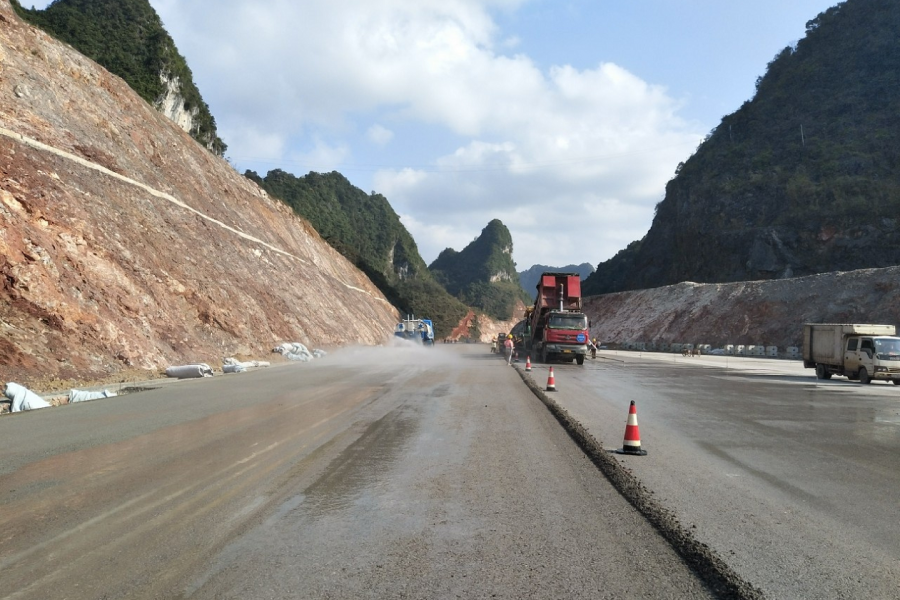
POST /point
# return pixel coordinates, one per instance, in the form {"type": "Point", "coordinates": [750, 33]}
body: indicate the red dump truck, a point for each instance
{"type": "Point", "coordinates": [556, 328]}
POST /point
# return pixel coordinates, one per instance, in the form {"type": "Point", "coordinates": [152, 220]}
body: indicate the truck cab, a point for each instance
{"type": "Point", "coordinates": [564, 335]}
{"type": "Point", "coordinates": [868, 358]}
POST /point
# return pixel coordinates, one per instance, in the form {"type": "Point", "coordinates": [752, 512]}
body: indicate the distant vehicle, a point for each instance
{"type": "Point", "coordinates": [863, 352]}
{"type": "Point", "coordinates": [556, 329]}
{"type": "Point", "coordinates": [518, 333]}
{"type": "Point", "coordinates": [416, 330]}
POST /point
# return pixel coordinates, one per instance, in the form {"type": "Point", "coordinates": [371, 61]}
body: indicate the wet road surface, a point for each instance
{"type": "Point", "coordinates": [791, 480]}
{"type": "Point", "coordinates": [373, 473]}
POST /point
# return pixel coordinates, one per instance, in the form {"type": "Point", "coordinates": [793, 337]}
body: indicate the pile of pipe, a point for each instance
{"type": "Point", "coordinates": [190, 371]}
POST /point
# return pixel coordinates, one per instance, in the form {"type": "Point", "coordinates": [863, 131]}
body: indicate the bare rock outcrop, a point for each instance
{"type": "Point", "coordinates": [126, 245]}
{"type": "Point", "coordinates": [751, 312]}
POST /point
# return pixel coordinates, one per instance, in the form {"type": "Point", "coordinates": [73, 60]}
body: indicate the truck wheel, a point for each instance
{"type": "Point", "coordinates": [822, 372]}
{"type": "Point", "coordinates": [580, 359]}
{"type": "Point", "coordinates": [864, 376]}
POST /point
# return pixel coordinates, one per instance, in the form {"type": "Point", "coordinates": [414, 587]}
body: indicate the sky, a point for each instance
{"type": "Point", "coordinates": [564, 119]}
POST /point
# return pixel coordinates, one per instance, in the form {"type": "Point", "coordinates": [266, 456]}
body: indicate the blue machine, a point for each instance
{"type": "Point", "coordinates": [416, 330]}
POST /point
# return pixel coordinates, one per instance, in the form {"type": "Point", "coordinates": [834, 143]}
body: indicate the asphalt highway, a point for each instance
{"type": "Point", "coordinates": [791, 480]}
{"type": "Point", "coordinates": [372, 473]}
{"type": "Point", "coordinates": [442, 473]}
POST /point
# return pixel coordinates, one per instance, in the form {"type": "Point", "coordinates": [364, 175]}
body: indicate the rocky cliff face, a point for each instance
{"type": "Point", "coordinates": [124, 244]}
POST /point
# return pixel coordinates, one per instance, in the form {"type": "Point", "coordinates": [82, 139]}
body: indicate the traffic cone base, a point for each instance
{"type": "Point", "coordinates": [551, 382]}
{"type": "Point", "coordinates": [632, 443]}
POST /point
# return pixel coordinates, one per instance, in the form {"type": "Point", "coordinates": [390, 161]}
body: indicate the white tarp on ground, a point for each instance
{"type": "Point", "coordinates": [23, 398]}
{"type": "Point", "coordinates": [190, 371]}
{"type": "Point", "coordinates": [297, 351]}
{"type": "Point", "coordinates": [232, 365]}
{"type": "Point", "coordinates": [84, 396]}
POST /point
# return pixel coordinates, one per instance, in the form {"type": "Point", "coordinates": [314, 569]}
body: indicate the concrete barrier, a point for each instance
{"type": "Point", "coordinates": [740, 350]}
{"type": "Point", "coordinates": [772, 351]}
{"type": "Point", "coordinates": [792, 352]}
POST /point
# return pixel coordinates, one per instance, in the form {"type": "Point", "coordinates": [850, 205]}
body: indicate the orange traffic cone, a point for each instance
{"type": "Point", "coordinates": [528, 363]}
{"type": "Point", "coordinates": [632, 443]}
{"type": "Point", "coordinates": [551, 382]}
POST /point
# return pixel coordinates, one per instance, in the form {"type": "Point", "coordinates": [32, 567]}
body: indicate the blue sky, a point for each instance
{"type": "Point", "coordinates": [563, 119]}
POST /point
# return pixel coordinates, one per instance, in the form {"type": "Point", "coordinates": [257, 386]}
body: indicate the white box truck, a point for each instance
{"type": "Point", "coordinates": [863, 352]}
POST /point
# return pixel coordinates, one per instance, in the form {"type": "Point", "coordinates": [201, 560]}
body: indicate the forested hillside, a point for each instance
{"type": "Point", "coordinates": [364, 228]}
{"type": "Point", "coordinates": [483, 274]}
{"type": "Point", "coordinates": [802, 179]}
{"type": "Point", "coordinates": [128, 39]}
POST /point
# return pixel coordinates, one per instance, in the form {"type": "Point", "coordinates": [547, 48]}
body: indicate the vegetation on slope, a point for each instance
{"type": "Point", "coordinates": [365, 229]}
{"type": "Point", "coordinates": [483, 274]}
{"type": "Point", "coordinates": [802, 179]}
{"type": "Point", "coordinates": [127, 37]}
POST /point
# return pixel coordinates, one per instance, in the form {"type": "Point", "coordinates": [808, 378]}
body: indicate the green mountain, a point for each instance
{"type": "Point", "coordinates": [127, 37]}
{"type": "Point", "coordinates": [483, 274]}
{"type": "Point", "coordinates": [530, 277]}
{"type": "Point", "coordinates": [802, 179]}
{"type": "Point", "coordinates": [365, 229]}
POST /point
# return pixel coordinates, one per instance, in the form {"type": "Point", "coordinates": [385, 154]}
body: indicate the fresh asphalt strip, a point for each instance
{"type": "Point", "coordinates": [719, 578]}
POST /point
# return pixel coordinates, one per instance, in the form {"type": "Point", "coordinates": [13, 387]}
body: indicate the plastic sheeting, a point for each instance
{"type": "Point", "coordinates": [23, 399]}
{"type": "Point", "coordinates": [297, 351]}
{"type": "Point", "coordinates": [190, 371]}
{"type": "Point", "coordinates": [232, 365]}
{"type": "Point", "coordinates": [84, 396]}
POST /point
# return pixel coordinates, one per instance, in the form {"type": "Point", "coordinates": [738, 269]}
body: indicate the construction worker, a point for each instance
{"type": "Point", "coordinates": [594, 348]}
{"type": "Point", "coordinates": [493, 346]}
{"type": "Point", "coordinates": [508, 345]}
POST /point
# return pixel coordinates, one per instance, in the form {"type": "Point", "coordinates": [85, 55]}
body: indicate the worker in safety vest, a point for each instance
{"type": "Point", "coordinates": [508, 345]}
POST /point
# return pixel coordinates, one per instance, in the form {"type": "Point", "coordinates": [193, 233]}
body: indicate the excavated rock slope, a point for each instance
{"type": "Point", "coordinates": [126, 245]}
{"type": "Point", "coordinates": [770, 313]}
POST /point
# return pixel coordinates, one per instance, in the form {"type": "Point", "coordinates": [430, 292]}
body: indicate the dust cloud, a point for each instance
{"type": "Point", "coordinates": [397, 352]}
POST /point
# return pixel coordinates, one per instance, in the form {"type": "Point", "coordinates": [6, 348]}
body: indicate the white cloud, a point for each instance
{"type": "Point", "coordinates": [322, 157]}
{"type": "Point", "coordinates": [571, 160]}
{"type": "Point", "coordinates": [379, 135]}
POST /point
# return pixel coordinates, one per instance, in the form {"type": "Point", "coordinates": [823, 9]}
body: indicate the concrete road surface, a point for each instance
{"type": "Point", "coordinates": [372, 473]}
{"type": "Point", "coordinates": [791, 480]}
